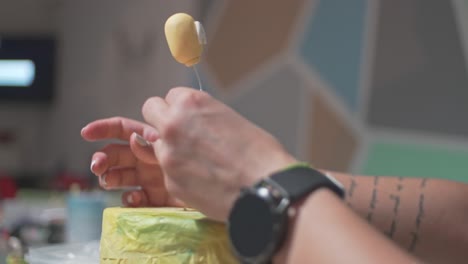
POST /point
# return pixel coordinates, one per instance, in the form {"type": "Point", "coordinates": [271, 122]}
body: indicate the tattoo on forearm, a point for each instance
{"type": "Point", "coordinates": [396, 199]}
{"type": "Point", "coordinates": [376, 181]}
{"type": "Point", "coordinates": [419, 218]}
{"type": "Point", "coordinates": [373, 201]}
{"type": "Point", "coordinates": [424, 182]}
{"type": "Point", "coordinates": [414, 241]}
{"type": "Point", "coordinates": [400, 184]}
{"type": "Point", "coordinates": [350, 191]}
{"type": "Point", "coordinates": [352, 186]}
{"type": "Point", "coordinates": [420, 215]}
{"type": "Point", "coordinates": [391, 232]}
{"type": "Point", "coordinates": [396, 207]}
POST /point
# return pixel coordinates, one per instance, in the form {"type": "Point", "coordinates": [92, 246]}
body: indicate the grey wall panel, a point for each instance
{"type": "Point", "coordinates": [419, 75]}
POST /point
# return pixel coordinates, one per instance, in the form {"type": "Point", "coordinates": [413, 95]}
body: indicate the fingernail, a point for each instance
{"type": "Point", "coordinates": [130, 199]}
{"type": "Point", "coordinates": [102, 180]}
{"type": "Point", "coordinates": [92, 165]}
{"type": "Point", "coordinates": [83, 129]}
{"type": "Point", "coordinates": [141, 141]}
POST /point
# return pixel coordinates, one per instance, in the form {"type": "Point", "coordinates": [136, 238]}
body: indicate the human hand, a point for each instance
{"type": "Point", "coordinates": [131, 164]}
{"type": "Point", "coordinates": [207, 151]}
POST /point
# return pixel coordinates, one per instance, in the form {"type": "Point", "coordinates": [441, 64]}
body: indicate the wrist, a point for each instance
{"type": "Point", "coordinates": [320, 198]}
{"type": "Point", "coordinates": [251, 174]}
{"type": "Point", "coordinates": [267, 166]}
{"type": "Point", "coordinates": [273, 201]}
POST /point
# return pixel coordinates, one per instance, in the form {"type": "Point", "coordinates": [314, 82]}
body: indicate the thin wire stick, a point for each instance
{"type": "Point", "coordinates": [198, 77]}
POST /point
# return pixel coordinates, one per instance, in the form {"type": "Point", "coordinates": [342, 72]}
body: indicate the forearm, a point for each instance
{"type": "Point", "coordinates": [326, 231]}
{"type": "Point", "coordinates": [427, 217]}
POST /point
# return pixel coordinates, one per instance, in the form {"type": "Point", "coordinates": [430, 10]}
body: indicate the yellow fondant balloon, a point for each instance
{"type": "Point", "coordinates": [182, 38]}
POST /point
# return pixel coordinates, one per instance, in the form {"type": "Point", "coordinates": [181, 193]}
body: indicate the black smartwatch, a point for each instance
{"type": "Point", "coordinates": [259, 218]}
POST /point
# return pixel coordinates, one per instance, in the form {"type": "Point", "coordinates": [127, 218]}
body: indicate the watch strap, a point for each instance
{"type": "Point", "coordinates": [298, 181]}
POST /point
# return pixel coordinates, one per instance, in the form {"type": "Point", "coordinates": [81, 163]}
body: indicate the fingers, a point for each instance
{"type": "Point", "coordinates": [142, 150]}
{"type": "Point", "coordinates": [140, 199]}
{"type": "Point", "coordinates": [181, 93]}
{"type": "Point", "coordinates": [176, 202]}
{"type": "Point", "coordinates": [155, 112]}
{"type": "Point", "coordinates": [135, 199]}
{"type": "Point", "coordinates": [119, 177]}
{"type": "Point", "coordinates": [156, 109]}
{"type": "Point", "coordinates": [117, 128]}
{"type": "Point", "coordinates": [113, 155]}
{"type": "Point", "coordinates": [175, 93]}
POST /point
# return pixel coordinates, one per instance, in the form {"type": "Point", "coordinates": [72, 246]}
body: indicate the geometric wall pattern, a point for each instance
{"type": "Point", "coordinates": [419, 67]}
{"type": "Point", "coordinates": [276, 98]}
{"type": "Point", "coordinates": [373, 87]}
{"type": "Point", "coordinates": [334, 144]}
{"type": "Point", "coordinates": [233, 53]}
{"type": "Point", "coordinates": [333, 43]}
{"type": "Point", "coordinates": [390, 158]}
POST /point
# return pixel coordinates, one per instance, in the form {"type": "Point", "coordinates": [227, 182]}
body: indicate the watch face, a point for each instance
{"type": "Point", "coordinates": [252, 227]}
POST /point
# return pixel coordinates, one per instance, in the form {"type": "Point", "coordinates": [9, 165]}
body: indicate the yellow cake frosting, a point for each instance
{"type": "Point", "coordinates": [162, 235]}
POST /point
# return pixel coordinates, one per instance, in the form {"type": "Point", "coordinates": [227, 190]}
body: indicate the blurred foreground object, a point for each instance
{"type": "Point", "coordinates": [76, 253]}
{"type": "Point", "coordinates": [8, 187]}
{"type": "Point", "coordinates": [162, 235]}
{"type": "Point", "coordinates": [16, 251]}
{"type": "Point", "coordinates": [3, 246]}
{"type": "Point", "coordinates": [84, 215]}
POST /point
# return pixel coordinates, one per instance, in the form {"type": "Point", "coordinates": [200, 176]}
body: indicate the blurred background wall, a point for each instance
{"type": "Point", "coordinates": [374, 87]}
{"type": "Point", "coordinates": [111, 56]}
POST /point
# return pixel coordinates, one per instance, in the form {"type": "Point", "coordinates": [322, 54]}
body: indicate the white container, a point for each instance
{"type": "Point", "coordinates": [77, 253]}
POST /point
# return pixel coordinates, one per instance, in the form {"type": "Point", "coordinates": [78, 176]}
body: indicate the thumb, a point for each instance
{"type": "Point", "coordinates": [142, 149]}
